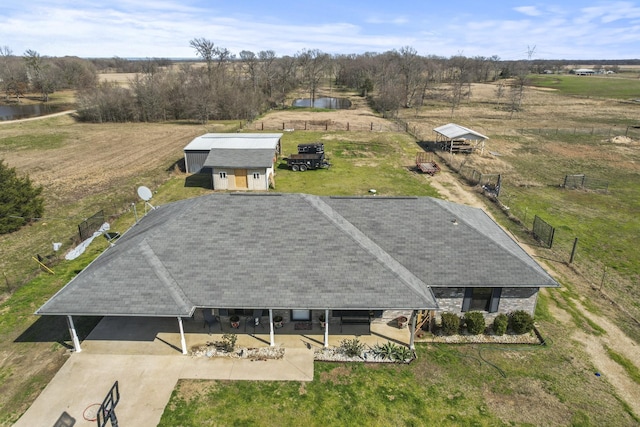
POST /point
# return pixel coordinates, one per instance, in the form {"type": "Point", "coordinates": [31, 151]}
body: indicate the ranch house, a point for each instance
{"type": "Point", "coordinates": [294, 258]}
{"type": "Point", "coordinates": [236, 161]}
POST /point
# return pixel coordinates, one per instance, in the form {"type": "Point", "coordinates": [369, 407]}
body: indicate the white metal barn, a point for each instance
{"type": "Point", "coordinates": [237, 161]}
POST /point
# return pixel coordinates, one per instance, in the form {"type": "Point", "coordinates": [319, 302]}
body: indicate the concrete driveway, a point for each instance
{"type": "Point", "coordinates": [147, 371]}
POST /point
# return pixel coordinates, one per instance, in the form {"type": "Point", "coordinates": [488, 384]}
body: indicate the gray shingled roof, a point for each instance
{"type": "Point", "coordinates": [234, 158]}
{"type": "Point", "coordinates": [296, 251]}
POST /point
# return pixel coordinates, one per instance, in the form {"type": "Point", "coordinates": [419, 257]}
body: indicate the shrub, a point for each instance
{"type": "Point", "coordinates": [384, 351]}
{"type": "Point", "coordinates": [20, 200]}
{"type": "Point", "coordinates": [392, 351]}
{"type": "Point", "coordinates": [352, 348]}
{"type": "Point", "coordinates": [402, 353]}
{"type": "Point", "coordinates": [475, 322]}
{"type": "Point", "coordinates": [229, 342]}
{"type": "Point", "coordinates": [450, 323]}
{"type": "Point", "coordinates": [520, 322]}
{"type": "Point", "coordinates": [500, 324]}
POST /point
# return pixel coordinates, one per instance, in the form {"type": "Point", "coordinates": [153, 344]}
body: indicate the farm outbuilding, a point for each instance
{"type": "Point", "coordinates": [456, 138]}
{"type": "Point", "coordinates": [237, 161]}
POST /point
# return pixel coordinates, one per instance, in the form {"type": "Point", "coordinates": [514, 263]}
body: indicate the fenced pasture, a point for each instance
{"type": "Point", "coordinates": [534, 150]}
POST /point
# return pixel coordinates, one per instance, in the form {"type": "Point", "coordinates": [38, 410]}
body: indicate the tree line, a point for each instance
{"type": "Point", "coordinates": [228, 86]}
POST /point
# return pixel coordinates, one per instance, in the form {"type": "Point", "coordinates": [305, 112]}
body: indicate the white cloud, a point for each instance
{"type": "Point", "coordinates": [528, 10]}
{"type": "Point", "coordinates": [398, 20]}
{"type": "Point", "coordinates": [146, 28]}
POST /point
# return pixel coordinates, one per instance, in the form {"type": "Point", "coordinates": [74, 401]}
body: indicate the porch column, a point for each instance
{"type": "Point", "coordinates": [412, 345]}
{"type": "Point", "coordinates": [183, 342]}
{"type": "Point", "coordinates": [272, 338]}
{"type": "Point", "coordinates": [326, 328]}
{"type": "Point", "coordinates": [74, 335]}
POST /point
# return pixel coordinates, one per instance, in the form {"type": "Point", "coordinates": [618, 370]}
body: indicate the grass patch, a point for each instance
{"type": "Point", "coordinates": [446, 385]}
{"type": "Point", "coordinates": [33, 142]}
{"type": "Point", "coordinates": [629, 367]}
{"type": "Point", "coordinates": [359, 162]}
{"type": "Point", "coordinates": [598, 86]}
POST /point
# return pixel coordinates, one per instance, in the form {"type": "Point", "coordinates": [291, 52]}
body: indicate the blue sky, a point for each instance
{"type": "Point", "coordinates": [563, 29]}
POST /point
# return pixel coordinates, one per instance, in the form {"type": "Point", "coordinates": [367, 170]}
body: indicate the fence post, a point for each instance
{"type": "Point", "coordinates": [371, 125]}
{"type": "Point", "coordinates": [282, 125]}
{"type": "Point", "coordinates": [262, 123]}
{"type": "Point", "coordinates": [604, 274]}
{"type": "Point", "coordinates": [347, 126]}
{"type": "Point", "coordinates": [326, 125]}
{"type": "Point", "coordinates": [573, 251]}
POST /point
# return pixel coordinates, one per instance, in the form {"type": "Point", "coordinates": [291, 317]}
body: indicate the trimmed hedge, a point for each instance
{"type": "Point", "coordinates": [450, 323]}
{"type": "Point", "coordinates": [520, 322]}
{"type": "Point", "coordinates": [475, 322]}
{"type": "Point", "coordinates": [500, 324]}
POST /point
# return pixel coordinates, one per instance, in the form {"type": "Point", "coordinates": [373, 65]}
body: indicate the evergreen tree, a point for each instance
{"type": "Point", "coordinates": [20, 200]}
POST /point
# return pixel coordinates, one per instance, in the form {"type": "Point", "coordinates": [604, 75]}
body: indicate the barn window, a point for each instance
{"type": "Point", "coordinates": [481, 299]}
{"type": "Point", "coordinates": [223, 175]}
{"type": "Point", "coordinates": [256, 176]}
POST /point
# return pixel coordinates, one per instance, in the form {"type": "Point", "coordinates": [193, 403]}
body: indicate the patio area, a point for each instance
{"type": "Point", "coordinates": [161, 336]}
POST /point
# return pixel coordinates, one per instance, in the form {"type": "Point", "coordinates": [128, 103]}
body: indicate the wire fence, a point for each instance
{"type": "Point", "coordinates": [327, 125]}
{"type": "Point", "coordinates": [582, 181]}
{"type": "Point", "coordinates": [629, 131]}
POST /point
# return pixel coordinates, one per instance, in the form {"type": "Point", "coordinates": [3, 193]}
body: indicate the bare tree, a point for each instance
{"type": "Point", "coordinates": [411, 68]}
{"type": "Point", "coordinates": [267, 71]}
{"type": "Point", "coordinates": [313, 64]}
{"type": "Point", "coordinates": [207, 51]}
{"type": "Point", "coordinates": [250, 61]}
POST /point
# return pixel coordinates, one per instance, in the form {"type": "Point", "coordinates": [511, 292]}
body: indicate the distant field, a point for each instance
{"type": "Point", "coordinates": [608, 86]}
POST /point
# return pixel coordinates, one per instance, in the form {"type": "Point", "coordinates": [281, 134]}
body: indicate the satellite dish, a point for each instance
{"type": "Point", "coordinates": [144, 193]}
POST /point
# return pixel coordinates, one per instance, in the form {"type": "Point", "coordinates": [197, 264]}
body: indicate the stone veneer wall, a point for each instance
{"type": "Point", "coordinates": [512, 299]}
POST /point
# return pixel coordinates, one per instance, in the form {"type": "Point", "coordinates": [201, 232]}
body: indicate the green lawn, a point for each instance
{"type": "Point", "coordinates": [609, 86]}
{"type": "Point", "coordinates": [360, 161]}
{"type": "Point", "coordinates": [466, 385]}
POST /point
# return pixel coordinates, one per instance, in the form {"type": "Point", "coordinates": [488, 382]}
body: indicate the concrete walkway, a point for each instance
{"type": "Point", "coordinates": [146, 383]}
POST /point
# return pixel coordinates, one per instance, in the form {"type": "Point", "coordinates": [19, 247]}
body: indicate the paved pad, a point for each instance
{"type": "Point", "coordinates": [146, 383]}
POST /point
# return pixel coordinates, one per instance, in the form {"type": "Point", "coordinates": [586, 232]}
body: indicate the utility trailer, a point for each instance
{"type": "Point", "coordinates": [425, 163]}
{"type": "Point", "coordinates": [302, 162]}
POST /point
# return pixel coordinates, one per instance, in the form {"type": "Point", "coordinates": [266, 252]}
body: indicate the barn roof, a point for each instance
{"type": "Point", "coordinates": [234, 140]}
{"type": "Point", "coordinates": [233, 158]}
{"type": "Point", "coordinates": [285, 251]}
{"type": "Point", "coordinates": [454, 131]}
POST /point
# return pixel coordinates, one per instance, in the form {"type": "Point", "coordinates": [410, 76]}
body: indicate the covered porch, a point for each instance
{"type": "Point", "coordinates": [164, 336]}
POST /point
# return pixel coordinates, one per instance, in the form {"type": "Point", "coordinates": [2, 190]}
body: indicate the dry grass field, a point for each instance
{"type": "Point", "coordinates": [86, 167]}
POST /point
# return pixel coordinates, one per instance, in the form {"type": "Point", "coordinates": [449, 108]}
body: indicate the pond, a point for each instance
{"type": "Point", "coordinates": [326, 102]}
{"type": "Point", "coordinates": [16, 111]}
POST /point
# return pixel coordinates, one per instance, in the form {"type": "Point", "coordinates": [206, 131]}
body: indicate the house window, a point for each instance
{"type": "Point", "coordinates": [256, 176]}
{"type": "Point", "coordinates": [481, 299]}
{"type": "Point", "coordinates": [223, 175]}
